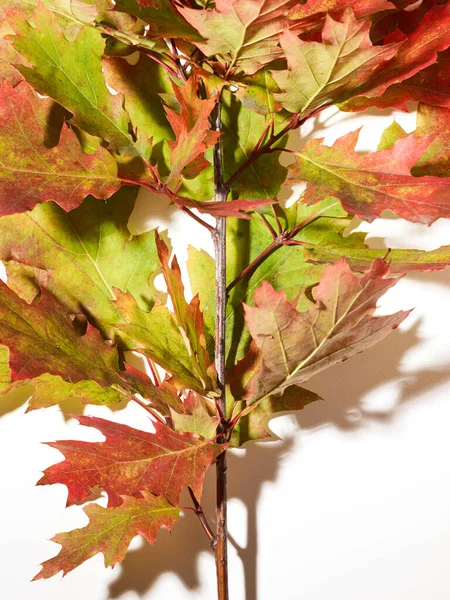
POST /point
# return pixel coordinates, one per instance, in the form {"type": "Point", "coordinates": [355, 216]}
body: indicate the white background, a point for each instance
{"type": "Point", "coordinates": [352, 504]}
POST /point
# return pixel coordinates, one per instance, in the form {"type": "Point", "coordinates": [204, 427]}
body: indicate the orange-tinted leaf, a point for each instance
{"type": "Point", "coordinates": [8, 56]}
{"type": "Point", "coordinates": [313, 12]}
{"type": "Point", "coordinates": [232, 208]}
{"type": "Point", "coordinates": [294, 346]}
{"type": "Point", "coordinates": [42, 339]}
{"type": "Point", "coordinates": [31, 172]}
{"type": "Point", "coordinates": [110, 531]}
{"type": "Point", "coordinates": [431, 85]}
{"type": "Point", "coordinates": [130, 462]}
{"type": "Point", "coordinates": [434, 121]}
{"type": "Point", "coordinates": [418, 50]}
{"type": "Point", "coordinates": [191, 127]}
{"type": "Point", "coordinates": [367, 184]}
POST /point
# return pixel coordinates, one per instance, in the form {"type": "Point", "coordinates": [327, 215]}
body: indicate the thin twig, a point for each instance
{"type": "Point", "coordinates": [272, 231]}
{"type": "Point", "coordinates": [160, 62]}
{"type": "Point", "coordinates": [283, 239]}
{"type": "Point", "coordinates": [176, 58]}
{"type": "Point", "coordinates": [154, 372]}
{"type": "Point", "coordinates": [255, 263]}
{"type": "Point", "coordinates": [189, 212]}
{"type": "Point", "coordinates": [264, 149]}
{"type": "Point", "coordinates": [203, 520]}
{"type": "Point", "coordinates": [277, 219]}
{"type": "Point", "coordinates": [149, 409]}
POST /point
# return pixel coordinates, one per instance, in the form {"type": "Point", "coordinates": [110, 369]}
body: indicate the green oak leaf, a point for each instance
{"type": "Point", "coordinates": [202, 276]}
{"type": "Point", "coordinates": [158, 335]}
{"type": "Point", "coordinates": [321, 74]}
{"type": "Point", "coordinates": [110, 531]}
{"type": "Point", "coordinates": [81, 256]}
{"type": "Point", "coordinates": [70, 72]}
{"type": "Point", "coordinates": [141, 85]}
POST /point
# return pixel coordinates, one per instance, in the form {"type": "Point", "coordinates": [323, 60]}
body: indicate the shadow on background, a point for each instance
{"type": "Point", "coordinates": [342, 386]}
{"type": "Point", "coordinates": [178, 552]}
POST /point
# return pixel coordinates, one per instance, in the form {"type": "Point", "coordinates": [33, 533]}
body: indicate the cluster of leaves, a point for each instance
{"type": "Point", "coordinates": [100, 98]}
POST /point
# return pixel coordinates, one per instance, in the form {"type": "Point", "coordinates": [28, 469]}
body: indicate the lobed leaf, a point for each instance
{"type": "Point", "coordinates": [156, 334]}
{"type": "Point", "coordinates": [70, 72]}
{"type": "Point", "coordinates": [63, 173]}
{"type": "Point", "coordinates": [110, 531]}
{"type": "Point", "coordinates": [323, 73]}
{"type": "Point", "coordinates": [130, 462]}
{"type": "Point", "coordinates": [46, 349]}
{"type": "Point", "coordinates": [294, 345]}
{"type": "Point", "coordinates": [418, 51]}
{"type": "Point", "coordinates": [188, 316]}
{"type": "Point", "coordinates": [82, 257]}
{"type": "Point", "coordinates": [367, 184]}
{"type": "Point", "coordinates": [242, 32]}
{"type": "Point", "coordinates": [192, 131]}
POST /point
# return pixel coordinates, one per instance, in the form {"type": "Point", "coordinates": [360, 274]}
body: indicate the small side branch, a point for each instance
{"type": "Point", "coordinates": [199, 220]}
{"type": "Point", "coordinates": [254, 264]}
{"type": "Point", "coordinates": [284, 238]}
{"type": "Point", "coordinates": [261, 149]}
{"type": "Point", "coordinates": [203, 520]}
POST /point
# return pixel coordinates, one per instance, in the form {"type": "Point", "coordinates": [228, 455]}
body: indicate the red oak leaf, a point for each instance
{"type": "Point", "coordinates": [431, 85]}
{"type": "Point", "coordinates": [312, 13]}
{"type": "Point", "coordinates": [131, 461]}
{"type": "Point", "coordinates": [367, 184]}
{"type": "Point", "coordinates": [193, 135]}
{"type": "Point", "coordinates": [419, 50]}
{"type": "Point", "coordinates": [31, 172]}
{"type": "Point", "coordinates": [295, 345]}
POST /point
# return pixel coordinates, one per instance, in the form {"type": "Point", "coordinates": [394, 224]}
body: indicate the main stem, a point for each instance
{"type": "Point", "coordinates": [219, 236]}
